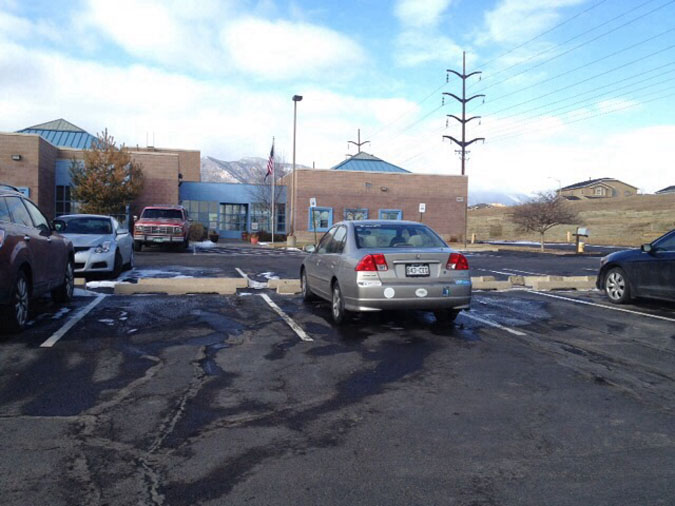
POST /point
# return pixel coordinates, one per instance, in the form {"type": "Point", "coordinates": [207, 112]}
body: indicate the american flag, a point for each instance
{"type": "Point", "coordinates": [270, 163]}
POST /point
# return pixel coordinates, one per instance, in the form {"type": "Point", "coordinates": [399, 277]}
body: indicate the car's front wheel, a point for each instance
{"type": "Point", "coordinates": [304, 286]}
{"type": "Point", "coordinates": [338, 311]}
{"type": "Point", "coordinates": [117, 268]}
{"type": "Point", "coordinates": [64, 292]}
{"type": "Point", "coordinates": [131, 263]}
{"type": "Point", "coordinates": [16, 314]}
{"type": "Point", "coordinates": [616, 286]}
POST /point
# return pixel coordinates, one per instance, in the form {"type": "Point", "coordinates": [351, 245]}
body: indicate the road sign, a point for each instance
{"type": "Point", "coordinates": [312, 202]}
{"type": "Point", "coordinates": [423, 207]}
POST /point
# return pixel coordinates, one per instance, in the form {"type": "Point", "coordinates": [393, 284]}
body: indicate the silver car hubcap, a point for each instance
{"type": "Point", "coordinates": [70, 284]}
{"type": "Point", "coordinates": [615, 285]}
{"type": "Point", "coordinates": [21, 302]}
{"type": "Point", "coordinates": [336, 302]}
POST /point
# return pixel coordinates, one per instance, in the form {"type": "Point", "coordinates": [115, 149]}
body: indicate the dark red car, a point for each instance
{"type": "Point", "coordinates": [34, 259]}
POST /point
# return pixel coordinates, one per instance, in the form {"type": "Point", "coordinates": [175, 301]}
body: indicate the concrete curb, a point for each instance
{"type": "Point", "coordinates": [180, 286]}
{"type": "Point", "coordinates": [229, 286]}
{"type": "Point", "coordinates": [541, 283]}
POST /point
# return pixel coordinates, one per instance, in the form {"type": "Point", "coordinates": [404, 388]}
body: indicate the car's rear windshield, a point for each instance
{"type": "Point", "coordinates": [396, 235]}
{"type": "Point", "coordinates": [171, 214]}
{"type": "Point", "coordinates": [96, 226]}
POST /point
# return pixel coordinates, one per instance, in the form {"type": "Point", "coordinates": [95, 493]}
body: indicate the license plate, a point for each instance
{"type": "Point", "coordinates": [416, 270]}
{"type": "Point", "coordinates": [159, 239]}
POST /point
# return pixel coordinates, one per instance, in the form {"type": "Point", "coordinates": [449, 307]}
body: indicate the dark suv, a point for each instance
{"type": "Point", "coordinates": [33, 259]}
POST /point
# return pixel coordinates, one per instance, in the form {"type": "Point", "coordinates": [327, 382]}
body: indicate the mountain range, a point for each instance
{"type": "Point", "coordinates": [253, 169]}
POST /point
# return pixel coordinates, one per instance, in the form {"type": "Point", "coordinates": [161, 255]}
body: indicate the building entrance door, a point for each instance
{"type": "Point", "coordinates": [233, 219]}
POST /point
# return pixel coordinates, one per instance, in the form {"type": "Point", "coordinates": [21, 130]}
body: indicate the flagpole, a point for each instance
{"type": "Point", "coordinates": [272, 212]}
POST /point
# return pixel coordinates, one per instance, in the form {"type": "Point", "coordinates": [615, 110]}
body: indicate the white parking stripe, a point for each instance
{"type": "Point", "coordinates": [298, 330]}
{"type": "Point", "coordinates": [69, 325]}
{"type": "Point", "coordinates": [493, 324]}
{"type": "Point", "coordinates": [613, 308]}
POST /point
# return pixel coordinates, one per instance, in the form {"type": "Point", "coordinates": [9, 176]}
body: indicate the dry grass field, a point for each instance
{"type": "Point", "coordinates": [629, 221]}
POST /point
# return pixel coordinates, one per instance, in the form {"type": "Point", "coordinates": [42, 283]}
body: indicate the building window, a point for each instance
{"type": "Point", "coordinates": [390, 214]}
{"type": "Point", "coordinates": [260, 214]}
{"type": "Point", "coordinates": [203, 212]}
{"type": "Point", "coordinates": [627, 193]}
{"type": "Point", "coordinates": [281, 218]}
{"type": "Point", "coordinates": [600, 191]}
{"type": "Point", "coordinates": [233, 217]}
{"type": "Point", "coordinates": [63, 203]}
{"type": "Point", "coordinates": [356, 214]}
{"type": "Point", "coordinates": [322, 216]}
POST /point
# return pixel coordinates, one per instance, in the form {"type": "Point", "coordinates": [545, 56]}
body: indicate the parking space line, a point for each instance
{"type": "Point", "coordinates": [70, 323]}
{"type": "Point", "coordinates": [493, 324]}
{"type": "Point", "coordinates": [613, 308]}
{"type": "Point", "coordinates": [296, 328]}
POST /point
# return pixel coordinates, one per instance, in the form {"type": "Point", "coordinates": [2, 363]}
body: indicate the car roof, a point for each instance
{"type": "Point", "coordinates": [69, 216]}
{"type": "Point", "coordinates": [382, 222]}
{"type": "Point", "coordinates": [8, 189]}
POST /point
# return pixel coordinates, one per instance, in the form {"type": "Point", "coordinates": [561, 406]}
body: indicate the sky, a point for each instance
{"type": "Point", "coordinates": [574, 89]}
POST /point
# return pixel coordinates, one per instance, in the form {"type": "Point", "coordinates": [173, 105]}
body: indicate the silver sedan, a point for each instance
{"type": "Point", "coordinates": [101, 244]}
{"type": "Point", "coordinates": [372, 265]}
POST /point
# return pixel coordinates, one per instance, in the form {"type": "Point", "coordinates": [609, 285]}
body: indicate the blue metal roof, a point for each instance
{"type": "Point", "coordinates": [368, 163]}
{"type": "Point", "coordinates": [61, 133]}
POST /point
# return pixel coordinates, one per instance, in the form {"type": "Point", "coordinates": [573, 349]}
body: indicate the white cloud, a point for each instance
{"type": "Point", "coordinates": [514, 21]}
{"type": "Point", "coordinates": [416, 47]}
{"type": "Point", "coordinates": [420, 13]}
{"type": "Point", "coordinates": [286, 50]}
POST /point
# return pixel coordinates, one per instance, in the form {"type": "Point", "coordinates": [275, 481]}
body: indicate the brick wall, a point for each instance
{"type": "Point", "coordinates": [342, 190]}
{"type": "Point", "coordinates": [35, 170]}
{"type": "Point", "coordinates": [161, 179]}
{"type": "Point", "coordinates": [189, 161]}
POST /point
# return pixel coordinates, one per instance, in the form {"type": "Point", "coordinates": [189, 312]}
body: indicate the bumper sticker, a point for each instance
{"type": "Point", "coordinates": [389, 292]}
{"type": "Point", "coordinates": [421, 292]}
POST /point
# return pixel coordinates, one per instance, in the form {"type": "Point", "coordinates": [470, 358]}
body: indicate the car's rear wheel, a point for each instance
{"type": "Point", "coordinates": [64, 292]}
{"type": "Point", "coordinates": [616, 286]}
{"type": "Point", "coordinates": [16, 314]}
{"type": "Point", "coordinates": [307, 294]}
{"type": "Point", "coordinates": [338, 311]}
{"type": "Point", "coordinates": [446, 315]}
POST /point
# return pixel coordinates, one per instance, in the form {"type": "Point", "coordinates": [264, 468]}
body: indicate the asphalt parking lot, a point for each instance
{"type": "Point", "coordinates": [554, 398]}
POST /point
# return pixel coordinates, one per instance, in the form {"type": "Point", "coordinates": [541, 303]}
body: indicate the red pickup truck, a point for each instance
{"type": "Point", "coordinates": [162, 225]}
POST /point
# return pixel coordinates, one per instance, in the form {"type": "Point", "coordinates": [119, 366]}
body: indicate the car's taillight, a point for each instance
{"type": "Point", "coordinates": [457, 262]}
{"type": "Point", "coordinates": [374, 262]}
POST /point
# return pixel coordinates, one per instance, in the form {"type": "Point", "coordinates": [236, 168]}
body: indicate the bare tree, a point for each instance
{"type": "Point", "coordinates": [542, 213]}
{"type": "Point", "coordinates": [261, 192]}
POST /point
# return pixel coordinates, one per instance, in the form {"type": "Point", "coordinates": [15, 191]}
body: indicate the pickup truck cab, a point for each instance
{"type": "Point", "coordinates": [162, 225]}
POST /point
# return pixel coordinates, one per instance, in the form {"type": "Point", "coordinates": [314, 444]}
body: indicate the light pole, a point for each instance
{"type": "Point", "coordinates": [296, 99]}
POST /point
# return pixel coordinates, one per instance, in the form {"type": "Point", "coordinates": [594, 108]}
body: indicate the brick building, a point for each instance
{"type": "Point", "coordinates": [366, 187]}
{"type": "Point", "coordinates": [37, 160]}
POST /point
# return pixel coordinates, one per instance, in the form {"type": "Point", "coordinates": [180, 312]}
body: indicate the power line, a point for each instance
{"type": "Point", "coordinates": [623, 50]}
{"type": "Point", "coordinates": [577, 46]}
{"type": "Point", "coordinates": [545, 32]}
{"type": "Point", "coordinates": [552, 111]}
{"type": "Point", "coordinates": [522, 131]}
{"type": "Point", "coordinates": [577, 83]}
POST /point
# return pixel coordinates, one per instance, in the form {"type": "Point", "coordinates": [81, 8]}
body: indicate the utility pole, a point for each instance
{"type": "Point", "coordinates": [359, 143]}
{"type": "Point", "coordinates": [463, 120]}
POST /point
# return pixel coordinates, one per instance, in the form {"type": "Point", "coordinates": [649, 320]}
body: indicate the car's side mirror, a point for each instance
{"type": "Point", "coordinates": [58, 225]}
{"type": "Point", "coordinates": [135, 218]}
{"type": "Point", "coordinates": [647, 248]}
{"type": "Point", "coordinates": [309, 248]}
